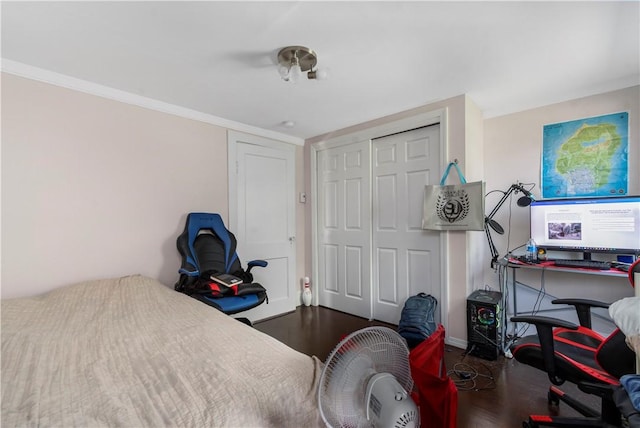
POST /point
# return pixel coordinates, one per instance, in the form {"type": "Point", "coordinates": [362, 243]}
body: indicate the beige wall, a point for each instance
{"type": "Point", "coordinates": [512, 152]}
{"type": "Point", "coordinates": [93, 187]}
{"type": "Point", "coordinates": [513, 144]}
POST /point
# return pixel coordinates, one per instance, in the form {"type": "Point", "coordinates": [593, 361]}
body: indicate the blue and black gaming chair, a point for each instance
{"type": "Point", "coordinates": [208, 247]}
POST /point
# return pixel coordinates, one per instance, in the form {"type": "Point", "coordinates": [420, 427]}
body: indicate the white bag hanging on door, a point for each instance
{"type": "Point", "coordinates": [454, 206]}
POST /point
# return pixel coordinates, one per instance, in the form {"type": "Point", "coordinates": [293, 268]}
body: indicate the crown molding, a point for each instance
{"type": "Point", "coordinates": [57, 79]}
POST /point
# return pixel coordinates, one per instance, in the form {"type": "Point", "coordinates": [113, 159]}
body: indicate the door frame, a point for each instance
{"type": "Point", "coordinates": [377, 131]}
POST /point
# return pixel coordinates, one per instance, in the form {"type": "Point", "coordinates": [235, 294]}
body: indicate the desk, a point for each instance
{"type": "Point", "coordinates": [547, 266]}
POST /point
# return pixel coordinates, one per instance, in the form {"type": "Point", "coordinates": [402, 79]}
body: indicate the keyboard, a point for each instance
{"type": "Point", "coordinates": [584, 264]}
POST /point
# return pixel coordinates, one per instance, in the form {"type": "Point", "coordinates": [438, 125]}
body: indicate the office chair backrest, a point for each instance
{"type": "Point", "coordinates": [212, 255]}
{"type": "Point", "coordinates": [207, 247]}
{"type": "Point", "coordinates": [614, 356]}
{"type": "Point", "coordinates": [580, 354]}
{"type": "Point", "coordinates": [201, 238]}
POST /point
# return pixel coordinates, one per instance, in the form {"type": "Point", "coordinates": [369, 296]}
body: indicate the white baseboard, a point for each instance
{"type": "Point", "coordinates": [454, 341]}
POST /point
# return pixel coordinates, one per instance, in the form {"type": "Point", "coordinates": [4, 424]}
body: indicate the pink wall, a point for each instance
{"type": "Point", "coordinates": [96, 188]}
{"type": "Point", "coordinates": [512, 152]}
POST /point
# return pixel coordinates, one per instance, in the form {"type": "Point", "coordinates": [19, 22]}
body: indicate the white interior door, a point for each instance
{"type": "Point", "coordinates": [405, 258]}
{"type": "Point", "coordinates": [343, 235]}
{"type": "Point", "coordinates": [262, 216]}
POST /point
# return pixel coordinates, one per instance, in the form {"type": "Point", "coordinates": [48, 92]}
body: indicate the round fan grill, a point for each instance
{"type": "Point", "coordinates": [350, 367]}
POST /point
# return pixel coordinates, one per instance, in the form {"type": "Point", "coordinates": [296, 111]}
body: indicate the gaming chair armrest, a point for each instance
{"type": "Point", "coordinates": [259, 263]}
{"type": "Point", "coordinates": [544, 326]}
{"type": "Point", "coordinates": [544, 321]}
{"type": "Point", "coordinates": [583, 308]}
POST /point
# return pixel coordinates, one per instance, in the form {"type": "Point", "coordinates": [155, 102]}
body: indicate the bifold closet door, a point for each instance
{"type": "Point", "coordinates": [344, 229]}
{"type": "Point", "coordinates": [372, 251]}
{"type": "Point", "coordinates": [406, 259]}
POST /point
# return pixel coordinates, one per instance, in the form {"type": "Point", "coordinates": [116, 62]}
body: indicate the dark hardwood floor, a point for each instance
{"type": "Point", "coordinates": [503, 393]}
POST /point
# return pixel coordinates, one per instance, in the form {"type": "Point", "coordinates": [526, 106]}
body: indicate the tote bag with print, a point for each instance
{"type": "Point", "coordinates": [454, 206]}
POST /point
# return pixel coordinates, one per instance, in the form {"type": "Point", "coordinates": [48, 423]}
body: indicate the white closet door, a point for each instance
{"type": "Point", "coordinates": [344, 229]}
{"type": "Point", "coordinates": [406, 259]}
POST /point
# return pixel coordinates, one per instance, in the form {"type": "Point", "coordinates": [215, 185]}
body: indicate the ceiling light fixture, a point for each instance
{"type": "Point", "coordinates": [295, 60]}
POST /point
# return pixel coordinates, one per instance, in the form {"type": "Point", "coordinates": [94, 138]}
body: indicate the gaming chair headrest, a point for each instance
{"type": "Point", "coordinates": [197, 222]}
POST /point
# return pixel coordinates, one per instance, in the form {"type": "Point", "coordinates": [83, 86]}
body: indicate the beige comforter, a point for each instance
{"type": "Point", "coordinates": [132, 352]}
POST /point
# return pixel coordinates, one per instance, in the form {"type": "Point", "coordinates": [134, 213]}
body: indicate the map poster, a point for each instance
{"type": "Point", "coordinates": [586, 157]}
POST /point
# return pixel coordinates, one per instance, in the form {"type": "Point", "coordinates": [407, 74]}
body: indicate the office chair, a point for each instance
{"type": "Point", "coordinates": [568, 352]}
{"type": "Point", "coordinates": [208, 247]}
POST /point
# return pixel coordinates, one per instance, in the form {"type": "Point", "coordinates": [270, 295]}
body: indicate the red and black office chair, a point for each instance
{"type": "Point", "coordinates": [577, 354]}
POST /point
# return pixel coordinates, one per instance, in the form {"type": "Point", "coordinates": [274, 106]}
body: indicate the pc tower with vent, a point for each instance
{"type": "Point", "coordinates": [484, 323]}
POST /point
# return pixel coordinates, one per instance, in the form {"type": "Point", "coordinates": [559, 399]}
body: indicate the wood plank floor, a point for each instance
{"type": "Point", "coordinates": [503, 394]}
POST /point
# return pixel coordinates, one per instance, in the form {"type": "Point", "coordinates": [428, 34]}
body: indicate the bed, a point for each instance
{"type": "Point", "coordinates": [132, 352]}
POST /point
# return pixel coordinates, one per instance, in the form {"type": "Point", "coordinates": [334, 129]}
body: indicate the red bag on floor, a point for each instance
{"type": "Point", "coordinates": [435, 393]}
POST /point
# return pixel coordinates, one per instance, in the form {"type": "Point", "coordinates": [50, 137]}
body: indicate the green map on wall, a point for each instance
{"type": "Point", "coordinates": [586, 157]}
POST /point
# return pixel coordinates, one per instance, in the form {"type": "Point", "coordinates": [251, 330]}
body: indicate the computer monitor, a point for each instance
{"type": "Point", "coordinates": [587, 225]}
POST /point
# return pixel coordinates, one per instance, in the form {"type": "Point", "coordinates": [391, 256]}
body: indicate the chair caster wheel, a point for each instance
{"type": "Point", "coordinates": [526, 424]}
{"type": "Point", "coordinates": [552, 400]}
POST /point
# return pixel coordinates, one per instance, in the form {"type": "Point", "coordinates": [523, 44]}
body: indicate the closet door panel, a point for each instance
{"type": "Point", "coordinates": [344, 223]}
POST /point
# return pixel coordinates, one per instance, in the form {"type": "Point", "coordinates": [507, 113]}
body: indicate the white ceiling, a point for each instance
{"type": "Point", "coordinates": [218, 58]}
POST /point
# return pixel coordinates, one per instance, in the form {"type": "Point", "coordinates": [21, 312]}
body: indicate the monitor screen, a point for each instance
{"type": "Point", "coordinates": [599, 225]}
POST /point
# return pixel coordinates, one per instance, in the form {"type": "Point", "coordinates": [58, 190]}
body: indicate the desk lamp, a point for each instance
{"type": "Point", "coordinates": [489, 222]}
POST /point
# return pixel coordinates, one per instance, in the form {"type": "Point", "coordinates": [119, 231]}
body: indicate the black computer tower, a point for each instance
{"type": "Point", "coordinates": [484, 323]}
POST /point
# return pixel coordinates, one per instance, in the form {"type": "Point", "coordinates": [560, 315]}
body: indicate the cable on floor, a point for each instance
{"type": "Point", "coordinates": [468, 378]}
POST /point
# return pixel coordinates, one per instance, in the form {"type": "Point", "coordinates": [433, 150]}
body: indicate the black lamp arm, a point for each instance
{"type": "Point", "coordinates": [492, 246]}
{"type": "Point", "coordinates": [488, 220]}
{"type": "Point", "coordinates": [506, 195]}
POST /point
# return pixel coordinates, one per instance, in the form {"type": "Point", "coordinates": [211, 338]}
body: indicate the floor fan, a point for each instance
{"type": "Point", "coordinates": [366, 382]}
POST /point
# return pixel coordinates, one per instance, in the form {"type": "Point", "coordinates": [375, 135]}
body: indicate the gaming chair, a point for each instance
{"type": "Point", "coordinates": [208, 247]}
{"type": "Point", "coordinates": [568, 352]}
